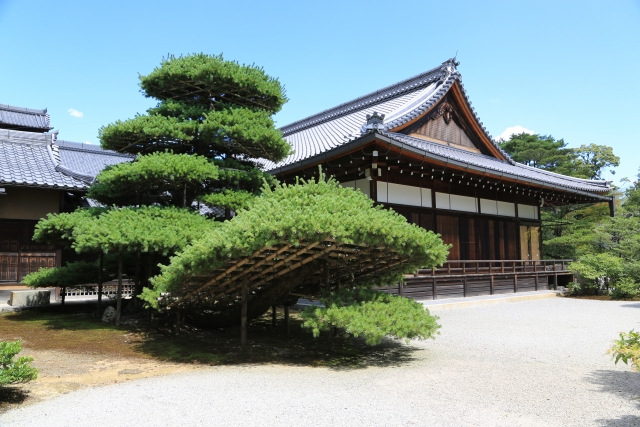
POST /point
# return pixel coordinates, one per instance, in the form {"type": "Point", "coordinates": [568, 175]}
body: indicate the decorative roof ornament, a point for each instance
{"type": "Point", "coordinates": [448, 67]}
{"type": "Point", "coordinates": [374, 123]}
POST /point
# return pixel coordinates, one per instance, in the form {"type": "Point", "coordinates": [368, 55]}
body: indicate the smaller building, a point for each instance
{"type": "Point", "coordinates": [39, 175]}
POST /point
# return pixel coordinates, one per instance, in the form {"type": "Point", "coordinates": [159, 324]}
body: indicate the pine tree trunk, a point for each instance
{"type": "Point", "coordinates": [100, 284]}
{"type": "Point", "coordinates": [119, 293]}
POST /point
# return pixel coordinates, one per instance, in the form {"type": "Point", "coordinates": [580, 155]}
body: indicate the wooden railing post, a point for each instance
{"type": "Point", "coordinates": [434, 288]}
{"type": "Point", "coordinates": [536, 281]}
{"type": "Point", "coordinates": [491, 285]}
{"type": "Point", "coordinates": [515, 283]}
{"type": "Point", "coordinates": [400, 289]}
{"type": "Point", "coordinates": [464, 286]}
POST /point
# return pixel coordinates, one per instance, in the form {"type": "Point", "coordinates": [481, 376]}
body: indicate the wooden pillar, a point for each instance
{"type": "Point", "coordinates": [464, 286]}
{"type": "Point", "coordinates": [273, 316]}
{"type": "Point", "coordinates": [243, 319]}
{"type": "Point", "coordinates": [491, 284]}
{"type": "Point", "coordinates": [63, 294]}
{"type": "Point", "coordinates": [515, 283]}
{"type": "Point", "coordinates": [287, 319]}
{"type": "Point", "coordinates": [536, 281]}
{"type": "Point", "coordinates": [555, 281]}
{"type": "Point", "coordinates": [119, 291]}
{"type": "Point", "coordinates": [400, 289]}
{"type": "Point", "coordinates": [612, 207]}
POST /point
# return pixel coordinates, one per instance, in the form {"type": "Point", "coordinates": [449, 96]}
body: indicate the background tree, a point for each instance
{"type": "Point", "coordinates": [213, 108]}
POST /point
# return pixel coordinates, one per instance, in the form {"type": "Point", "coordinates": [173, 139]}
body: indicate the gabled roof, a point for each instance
{"type": "Point", "coordinates": [26, 119]}
{"type": "Point", "coordinates": [36, 160]}
{"type": "Point", "coordinates": [330, 133]}
{"type": "Point", "coordinates": [401, 103]}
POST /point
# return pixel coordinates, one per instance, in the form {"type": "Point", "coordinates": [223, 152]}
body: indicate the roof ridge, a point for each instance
{"type": "Point", "coordinates": [97, 150]}
{"type": "Point", "coordinates": [369, 99]}
{"type": "Point", "coordinates": [22, 109]}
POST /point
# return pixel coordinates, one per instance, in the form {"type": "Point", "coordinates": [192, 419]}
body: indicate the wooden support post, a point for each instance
{"type": "Point", "coordinates": [400, 289]}
{"type": "Point", "coordinates": [434, 292]}
{"type": "Point", "coordinates": [515, 283]}
{"type": "Point", "coordinates": [325, 278]}
{"type": "Point", "coordinates": [464, 286]}
{"type": "Point", "coordinates": [273, 316]}
{"type": "Point", "coordinates": [100, 268]}
{"type": "Point", "coordinates": [177, 326]}
{"type": "Point", "coordinates": [286, 319]}
{"type": "Point", "coordinates": [63, 294]}
{"type": "Point", "coordinates": [477, 267]}
{"type": "Point", "coordinates": [243, 319]}
{"type": "Point", "coordinates": [555, 282]}
{"type": "Point", "coordinates": [119, 291]}
{"type": "Point", "coordinates": [491, 285]}
{"type": "Point", "coordinates": [536, 281]}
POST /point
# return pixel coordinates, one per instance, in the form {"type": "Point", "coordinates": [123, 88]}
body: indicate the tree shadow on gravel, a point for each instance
{"type": "Point", "coordinates": [10, 396]}
{"type": "Point", "coordinates": [624, 384]}
{"type": "Point", "coordinates": [76, 330]}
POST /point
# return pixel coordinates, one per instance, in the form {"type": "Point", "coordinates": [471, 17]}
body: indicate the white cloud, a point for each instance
{"type": "Point", "coordinates": [75, 113]}
{"type": "Point", "coordinates": [513, 130]}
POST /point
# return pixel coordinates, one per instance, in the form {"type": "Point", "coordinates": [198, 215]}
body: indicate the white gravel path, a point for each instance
{"type": "Point", "coordinates": [534, 363]}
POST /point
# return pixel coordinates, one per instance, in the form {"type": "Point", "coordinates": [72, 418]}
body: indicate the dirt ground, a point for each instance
{"type": "Point", "coordinates": [72, 349]}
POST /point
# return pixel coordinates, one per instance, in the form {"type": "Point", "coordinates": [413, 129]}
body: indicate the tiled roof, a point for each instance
{"type": "Point", "coordinates": [88, 159]}
{"type": "Point", "coordinates": [35, 159]}
{"type": "Point", "coordinates": [499, 167]}
{"type": "Point", "coordinates": [400, 103]}
{"type": "Point", "coordinates": [23, 118]}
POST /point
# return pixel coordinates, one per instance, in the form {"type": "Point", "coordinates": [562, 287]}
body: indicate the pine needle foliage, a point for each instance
{"type": "Point", "coordinates": [72, 275]}
{"type": "Point", "coordinates": [57, 229]}
{"type": "Point", "coordinates": [14, 371]}
{"type": "Point", "coordinates": [307, 211]}
{"type": "Point", "coordinates": [208, 106]}
{"type": "Point", "coordinates": [157, 177]}
{"type": "Point", "coordinates": [147, 229]}
{"type": "Point", "coordinates": [371, 315]}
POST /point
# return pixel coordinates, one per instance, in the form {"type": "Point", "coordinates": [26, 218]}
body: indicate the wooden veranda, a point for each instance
{"type": "Point", "coordinates": [484, 277]}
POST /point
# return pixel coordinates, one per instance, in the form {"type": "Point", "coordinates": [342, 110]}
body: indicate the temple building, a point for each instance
{"type": "Point", "coordinates": [39, 174]}
{"type": "Point", "coordinates": [419, 148]}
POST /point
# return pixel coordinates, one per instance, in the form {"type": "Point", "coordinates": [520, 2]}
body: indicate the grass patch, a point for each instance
{"type": "Point", "coordinates": [81, 333]}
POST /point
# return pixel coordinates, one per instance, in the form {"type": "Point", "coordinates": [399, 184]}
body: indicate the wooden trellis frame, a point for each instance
{"type": "Point", "coordinates": [237, 278]}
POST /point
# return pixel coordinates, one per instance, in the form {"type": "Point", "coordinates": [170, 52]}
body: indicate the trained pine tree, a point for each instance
{"type": "Point", "coordinates": [209, 107]}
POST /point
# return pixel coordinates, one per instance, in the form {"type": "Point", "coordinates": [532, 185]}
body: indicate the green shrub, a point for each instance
{"type": "Point", "coordinates": [595, 270]}
{"type": "Point", "coordinates": [15, 371]}
{"type": "Point", "coordinates": [627, 349]}
{"type": "Point", "coordinates": [371, 315]}
{"type": "Point", "coordinates": [625, 288]}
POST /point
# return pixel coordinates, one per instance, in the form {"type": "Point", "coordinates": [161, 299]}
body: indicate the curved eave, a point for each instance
{"type": "Point", "coordinates": [369, 138]}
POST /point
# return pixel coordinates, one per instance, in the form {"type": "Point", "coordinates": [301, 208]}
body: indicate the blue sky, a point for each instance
{"type": "Point", "coordinates": [565, 68]}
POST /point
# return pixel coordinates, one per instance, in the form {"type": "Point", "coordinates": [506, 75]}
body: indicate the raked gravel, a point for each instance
{"type": "Point", "coordinates": [533, 363]}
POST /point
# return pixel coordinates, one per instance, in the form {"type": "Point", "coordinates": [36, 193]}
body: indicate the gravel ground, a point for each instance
{"type": "Point", "coordinates": [534, 363]}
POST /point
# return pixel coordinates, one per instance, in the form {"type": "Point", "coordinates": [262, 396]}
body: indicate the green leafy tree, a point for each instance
{"type": "Point", "coordinates": [150, 229]}
{"type": "Point", "coordinates": [591, 160]}
{"type": "Point", "coordinates": [631, 205]}
{"type": "Point", "coordinates": [538, 151]}
{"type": "Point", "coordinates": [14, 371]}
{"type": "Point", "coordinates": [165, 178]}
{"type": "Point", "coordinates": [210, 107]}
{"type": "Point", "coordinates": [300, 213]}
{"type": "Point", "coordinates": [73, 275]}
{"type": "Point", "coordinates": [371, 315]}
